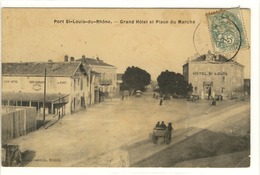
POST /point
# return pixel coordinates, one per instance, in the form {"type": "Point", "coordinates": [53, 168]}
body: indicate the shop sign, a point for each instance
{"type": "Point", "coordinates": [36, 87]}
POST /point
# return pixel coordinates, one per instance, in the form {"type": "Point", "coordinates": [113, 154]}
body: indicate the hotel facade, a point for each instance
{"type": "Point", "coordinates": [212, 75]}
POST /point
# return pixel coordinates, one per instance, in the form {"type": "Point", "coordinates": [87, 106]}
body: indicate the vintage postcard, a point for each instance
{"type": "Point", "coordinates": [126, 87]}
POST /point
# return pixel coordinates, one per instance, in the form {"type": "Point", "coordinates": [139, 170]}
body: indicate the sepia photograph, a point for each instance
{"type": "Point", "coordinates": [126, 87]}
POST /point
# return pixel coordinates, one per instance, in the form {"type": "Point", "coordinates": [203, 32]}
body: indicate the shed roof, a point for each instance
{"type": "Point", "coordinates": [53, 69]}
{"type": "Point", "coordinates": [35, 97]}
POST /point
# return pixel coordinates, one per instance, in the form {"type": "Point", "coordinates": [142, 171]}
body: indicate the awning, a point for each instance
{"type": "Point", "coordinates": [35, 97]}
{"type": "Point", "coordinates": [105, 82]}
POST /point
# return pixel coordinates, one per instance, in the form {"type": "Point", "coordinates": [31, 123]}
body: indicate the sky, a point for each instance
{"type": "Point", "coordinates": [153, 45]}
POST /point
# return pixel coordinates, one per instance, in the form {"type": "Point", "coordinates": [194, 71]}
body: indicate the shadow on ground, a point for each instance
{"type": "Point", "coordinates": [203, 144]}
{"type": "Point", "coordinates": [27, 156]}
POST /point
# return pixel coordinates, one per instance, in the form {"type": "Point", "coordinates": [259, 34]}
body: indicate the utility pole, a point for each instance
{"type": "Point", "coordinates": [44, 97]}
{"type": "Point", "coordinates": [90, 82]}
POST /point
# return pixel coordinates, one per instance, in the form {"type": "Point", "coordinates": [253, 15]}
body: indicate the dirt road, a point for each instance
{"type": "Point", "coordinates": [118, 134]}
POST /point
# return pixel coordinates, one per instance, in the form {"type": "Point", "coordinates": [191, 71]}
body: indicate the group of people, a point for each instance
{"type": "Point", "coordinates": [162, 125]}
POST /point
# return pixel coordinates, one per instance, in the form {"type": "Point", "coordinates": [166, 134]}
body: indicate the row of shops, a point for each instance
{"type": "Point", "coordinates": [70, 85]}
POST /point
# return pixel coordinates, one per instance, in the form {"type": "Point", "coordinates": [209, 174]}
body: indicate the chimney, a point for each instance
{"type": "Point", "coordinates": [66, 58]}
{"type": "Point", "coordinates": [83, 56]}
{"type": "Point", "coordinates": [71, 59]}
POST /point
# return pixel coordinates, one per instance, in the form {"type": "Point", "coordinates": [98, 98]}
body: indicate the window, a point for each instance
{"type": "Point", "coordinates": [22, 83]}
{"type": "Point", "coordinates": [52, 82]}
{"type": "Point", "coordinates": [224, 79]}
{"type": "Point", "coordinates": [81, 84]}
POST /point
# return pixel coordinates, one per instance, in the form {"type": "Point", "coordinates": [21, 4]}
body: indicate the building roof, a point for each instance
{"type": "Point", "coordinates": [214, 59]}
{"type": "Point", "coordinates": [105, 82]}
{"type": "Point", "coordinates": [53, 69]}
{"type": "Point", "coordinates": [218, 58]}
{"type": "Point", "coordinates": [95, 62]}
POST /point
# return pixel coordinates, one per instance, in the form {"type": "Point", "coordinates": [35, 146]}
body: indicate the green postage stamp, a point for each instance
{"type": "Point", "coordinates": [227, 30]}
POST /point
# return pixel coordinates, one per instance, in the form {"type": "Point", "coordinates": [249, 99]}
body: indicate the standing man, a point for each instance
{"type": "Point", "coordinates": [209, 93]}
{"type": "Point", "coordinates": [161, 101]}
{"type": "Point", "coordinates": [59, 113]}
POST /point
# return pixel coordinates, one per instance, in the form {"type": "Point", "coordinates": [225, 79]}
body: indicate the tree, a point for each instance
{"type": "Point", "coordinates": [135, 78]}
{"type": "Point", "coordinates": [172, 83]}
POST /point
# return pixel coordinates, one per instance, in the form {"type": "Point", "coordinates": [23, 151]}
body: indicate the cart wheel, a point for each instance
{"type": "Point", "coordinates": [155, 138]}
{"type": "Point", "coordinates": [168, 139]}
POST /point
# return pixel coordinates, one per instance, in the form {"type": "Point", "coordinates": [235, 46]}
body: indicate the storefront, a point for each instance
{"type": "Point", "coordinates": [66, 86]}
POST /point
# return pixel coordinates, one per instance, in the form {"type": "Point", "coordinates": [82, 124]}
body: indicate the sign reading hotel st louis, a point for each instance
{"type": "Point", "coordinates": [209, 73]}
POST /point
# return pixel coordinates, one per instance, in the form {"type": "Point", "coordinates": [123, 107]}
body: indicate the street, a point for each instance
{"type": "Point", "coordinates": [117, 133]}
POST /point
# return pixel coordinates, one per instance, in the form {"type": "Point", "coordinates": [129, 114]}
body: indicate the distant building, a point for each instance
{"type": "Point", "coordinates": [107, 79]}
{"type": "Point", "coordinates": [66, 85]}
{"type": "Point", "coordinates": [214, 75]}
{"type": "Point", "coordinates": [119, 78]}
{"type": "Point", "coordinates": [119, 81]}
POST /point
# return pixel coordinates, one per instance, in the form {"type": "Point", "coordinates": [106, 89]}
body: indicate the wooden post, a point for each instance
{"type": "Point", "coordinates": [52, 108]}
{"type": "Point", "coordinates": [44, 97]}
{"type": "Point", "coordinates": [62, 109]}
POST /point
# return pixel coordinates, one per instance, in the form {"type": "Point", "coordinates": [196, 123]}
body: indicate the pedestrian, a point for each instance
{"type": "Point", "coordinates": [209, 95]}
{"type": "Point", "coordinates": [59, 113]}
{"type": "Point", "coordinates": [123, 96]}
{"type": "Point", "coordinates": [161, 100]}
{"type": "Point", "coordinates": [170, 128]}
{"type": "Point", "coordinates": [213, 102]}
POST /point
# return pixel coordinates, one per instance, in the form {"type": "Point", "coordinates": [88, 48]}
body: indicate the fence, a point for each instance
{"type": "Point", "coordinates": [17, 122]}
